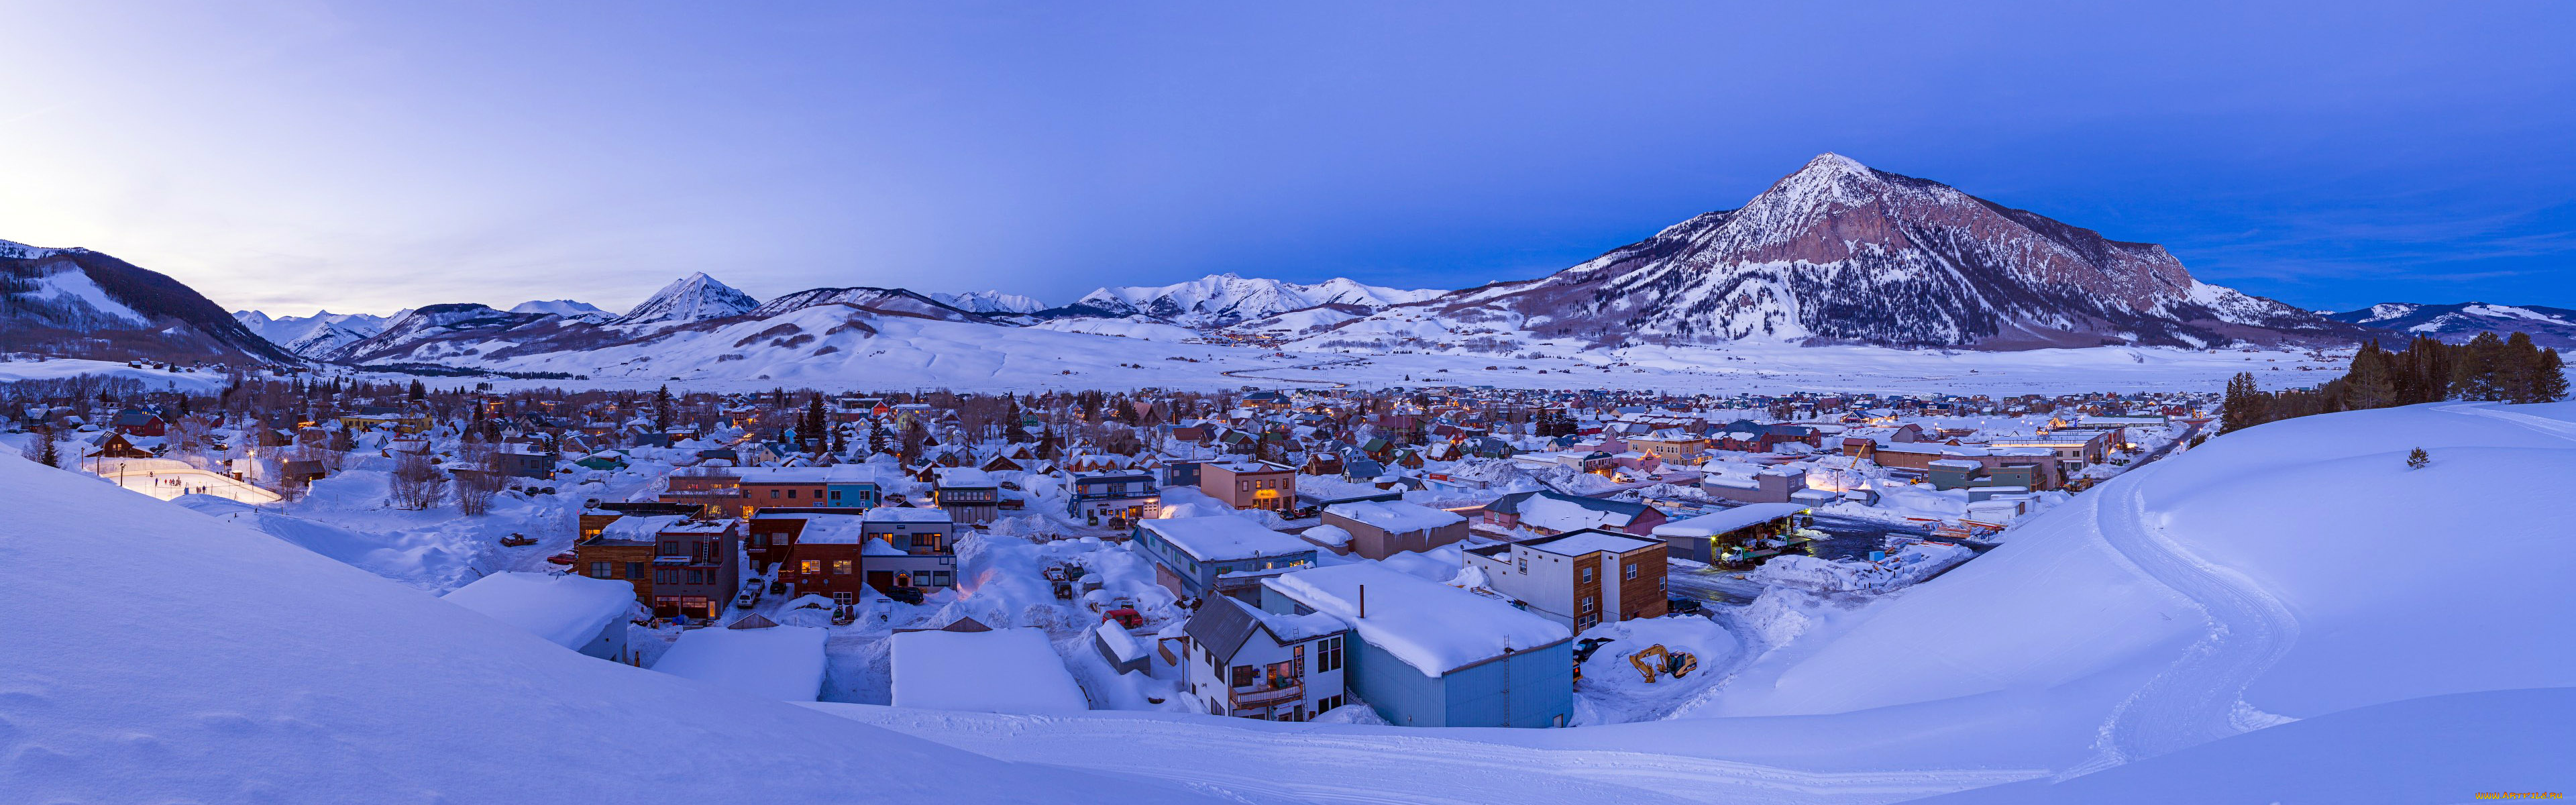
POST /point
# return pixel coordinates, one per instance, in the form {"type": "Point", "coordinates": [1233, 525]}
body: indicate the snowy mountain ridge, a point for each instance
{"type": "Point", "coordinates": [1219, 300]}
{"type": "Point", "coordinates": [990, 302]}
{"type": "Point", "coordinates": [2457, 323]}
{"type": "Point", "coordinates": [694, 298]}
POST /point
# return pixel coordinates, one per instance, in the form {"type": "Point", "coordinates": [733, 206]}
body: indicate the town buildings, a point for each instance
{"type": "Point", "coordinates": [1579, 578]}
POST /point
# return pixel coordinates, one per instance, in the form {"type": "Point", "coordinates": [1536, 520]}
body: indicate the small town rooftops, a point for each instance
{"type": "Point", "coordinates": [1397, 517]}
{"type": "Point", "coordinates": [1431, 626]}
{"type": "Point", "coordinates": [1223, 623]}
{"type": "Point", "coordinates": [964, 476]}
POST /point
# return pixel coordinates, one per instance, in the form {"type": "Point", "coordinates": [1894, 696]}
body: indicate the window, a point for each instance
{"type": "Point", "coordinates": [670, 547]}
{"type": "Point", "coordinates": [845, 598]}
{"type": "Point", "coordinates": [809, 566]}
{"type": "Point", "coordinates": [697, 576]}
{"type": "Point", "coordinates": [1587, 575]}
{"type": "Point", "coordinates": [773, 493]}
{"type": "Point", "coordinates": [842, 567]}
{"type": "Point", "coordinates": [836, 494]}
{"type": "Point", "coordinates": [666, 576]}
{"type": "Point", "coordinates": [1328, 655]}
{"type": "Point", "coordinates": [1587, 603]}
{"type": "Point", "coordinates": [599, 570]}
{"type": "Point", "coordinates": [1245, 675]}
{"type": "Point", "coordinates": [791, 493]}
{"type": "Point", "coordinates": [1523, 560]}
{"type": "Point", "coordinates": [1632, 570]}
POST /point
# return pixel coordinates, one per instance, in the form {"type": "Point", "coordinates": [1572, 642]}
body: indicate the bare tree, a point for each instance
{"type": "Point", "coordinates": [416, 483]}
{"type": "Point", "coordinates": [476, 483]}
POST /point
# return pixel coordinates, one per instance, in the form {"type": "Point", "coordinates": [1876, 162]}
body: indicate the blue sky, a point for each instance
{"type": "Point", "coordinates": [365, 157]}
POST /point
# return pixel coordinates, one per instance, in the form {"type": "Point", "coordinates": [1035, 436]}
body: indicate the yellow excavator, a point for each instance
{"type": "Point", "coordinates": [1677, 664]}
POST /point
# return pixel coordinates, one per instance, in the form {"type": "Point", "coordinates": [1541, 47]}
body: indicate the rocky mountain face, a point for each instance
{"type": "Point", "coordinates": [81, 303]}
{"type": "Point", "coordinates": [563, 307]}
{"type": "Point", "coordinates": [2457, 323]}
{"type": "Point", "coordinates": [317, 335]}
{"type": "Point", "coordinates": [894, 301]}
{"type": "Point", "coordinates": [696, 297]}
{"type": "Point", "coordinates": [1840, 253]}
{"type": "Point", "coordinates": [1224, 299]}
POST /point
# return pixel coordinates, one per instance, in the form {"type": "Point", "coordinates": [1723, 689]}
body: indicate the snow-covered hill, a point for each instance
{"type": "Point", "coordinates": [2457, 323]}
{"type": "Point", "coordinates": [696, 297]}
{"type": "Point", "coordinates": [562, 307]}
{"type": "Point", "coordinates": [894, 301]}
{"type": "Point", "coordinates": [77, 302]}
{"type": "Point", "coordinates": [1218, 300]}
{"type": "Point", "coordinates": [237, 667]}
{"type": "Point", "coordinates": [1840, 253]}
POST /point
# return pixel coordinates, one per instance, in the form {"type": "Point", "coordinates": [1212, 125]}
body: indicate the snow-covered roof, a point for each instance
{"type": "Point", "coordinates": [784, 663]}
{"type": "Point", "coordinates": [1431, 626]}
{"type": "Point", "coordinates": [639, 528]}
{"type": "Point", "coordinates": [1327, 535]}
{"type": "Point", "coordinates": [1225, 536]}
{"type": "Point", "coordinates": [999, 671]}
{"type": "Point", "coordinates": [1395, 516]}
{"type": "Point", "coordinates": [831, 529]}
{"type": "Point", "coordinates": [964, 476]}
{"type": "Point", "coordinates": [1710, 525]}
{"type": "Point", "coordinates": [1589, 541]}
{"type": "Point", "coordinates": [903, 514]}
{"type": "Point", "coordinates": [568, 610]}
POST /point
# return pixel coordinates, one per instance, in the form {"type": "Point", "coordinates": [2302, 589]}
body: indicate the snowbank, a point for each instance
{"type": "Point", "coordinates": [783, 663]}
{"type": "Point", "coordinates": [566, 610]}
{"type": "Point", "coordinates": [1000, 671]}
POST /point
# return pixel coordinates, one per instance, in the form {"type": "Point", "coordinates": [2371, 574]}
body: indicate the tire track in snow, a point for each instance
{"type": "Point", "coordinates": [2200, 698]}
{"type": "Point", "coordinates": [2553, 427]}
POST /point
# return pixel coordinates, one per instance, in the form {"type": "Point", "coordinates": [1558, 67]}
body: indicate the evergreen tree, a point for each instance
{"type": "Point", "coordinates": [813, 427]}
{"type": "Point", "coordinates": [2417, 459]}
{"type": "Point", "coordinates": [2370, 384]}
{"type": "Point", "coordinates": [876, 438]}
{"type": "Point", "coordinates": [2548, 377]}
{"type": "Point", "coordinates": [2244, 406]}
{"type": "Point", "coordinates": [662, 408]}
{"type": "Point", "coordinates": [2477, 375]}
{"type": "Point", "coordinates": [2519, 372]}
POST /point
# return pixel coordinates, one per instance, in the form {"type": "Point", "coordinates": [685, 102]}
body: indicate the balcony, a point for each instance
{"type": "Point", "coordinates": [1260, 696]}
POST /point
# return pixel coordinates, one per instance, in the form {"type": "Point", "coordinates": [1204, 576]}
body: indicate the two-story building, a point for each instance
{"type": "Point", "coordinates": [909, 547]}
{"type": "Point", "coordinates": [697, 567]}
{"type": "Point", "coordinates": [1254, 664]}
{"type": "Point", "coordinates": [969, 495]}
{"type": "Point", "coordinates": [1250, 484]}
{"type": "Point", "coordinates": [840, 486]}
{"type": "Point", "coordinates": [1224, 555]}
{"type": "Point", "coordinates": [1581, 578]}
{"type": "Point", "coordinates": [1431, 655]}
{"type": "Point", "coordinates": [1114, 498]}
{"type": "Point", "coordinates": [827, 556]}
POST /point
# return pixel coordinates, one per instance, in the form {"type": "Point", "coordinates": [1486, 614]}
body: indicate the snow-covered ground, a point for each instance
{"type": "Point", "coordinates": [169, 478]}
{"type": "Point", "coordinates": [153, 379]}
{"type": "Point", "coordinates": [2296, 570]}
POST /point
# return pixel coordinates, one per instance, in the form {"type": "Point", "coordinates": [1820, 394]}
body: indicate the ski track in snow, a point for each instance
{"type": "Point", "coordinates": [1263, 767]}
{"type": "Point", "coordinates": [2563, 430]}
{"type": "Point", "coordinates": [2200, 697]}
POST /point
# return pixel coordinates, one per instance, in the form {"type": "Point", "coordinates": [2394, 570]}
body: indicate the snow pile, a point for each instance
{"type": "Point", "coordinates": [1327, 535]}
{"type": "Point", "coordinates": [784, 663]}
{"type": "Point", "coordinates": [1908, 565]}
{"type": "Point", "coordinates": [1395, 517]}
{"type": "Point", "coordinates": [1431, 626]}
{"type": "Point", "coordinates": [566, 610]}
{"type": "Point", "coordinates": [1000, 671]}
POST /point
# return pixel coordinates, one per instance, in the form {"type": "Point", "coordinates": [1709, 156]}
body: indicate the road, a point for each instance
{"type": "Point", "coordinates": [1247, 373]}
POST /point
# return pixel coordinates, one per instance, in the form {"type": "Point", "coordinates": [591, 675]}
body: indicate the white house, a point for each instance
{"type": "Point", "coordinates": [1254, 664]}
{"type": "Point", "coordinates": [576, 612]}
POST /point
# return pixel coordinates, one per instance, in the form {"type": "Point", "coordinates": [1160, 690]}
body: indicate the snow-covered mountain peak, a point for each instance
{"type": "Point", "coordinates": [562, 307]}
{"type": "Point", "coordinates": [696, 297]}
{"type": "Point", "coordinates": [990, 302]}
{"type": "Point", "coordinates": [13, 250]}
{"type": "Point", "coordinates": [1218, 300]}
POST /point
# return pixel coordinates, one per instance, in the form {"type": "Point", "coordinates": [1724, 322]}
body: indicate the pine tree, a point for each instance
{"type": "Point", "coordinates": [2477, 375]}
{"type": "Point", "coordinates": [662, 408]}
{"type": "Point", "coordinates": [2519, 372]}
{"type": "Point", "coordinates": [2245, 406]}
{"type": "Point", "coordinates": [2369, 384]}
{"type": "Point", "coordinates": [2417, 459]}
{"type": "Point", "coordinates": [2548, 377]}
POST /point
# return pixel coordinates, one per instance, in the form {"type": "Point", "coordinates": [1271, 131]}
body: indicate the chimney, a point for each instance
{"type": "Point", "coordinates": [1364, 600]}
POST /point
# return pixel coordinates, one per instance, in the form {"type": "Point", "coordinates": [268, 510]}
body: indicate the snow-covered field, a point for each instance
{"type": "Point", "coordinates": [2296, 570]}
{"type": "Point", "coordinates": [153, 379]}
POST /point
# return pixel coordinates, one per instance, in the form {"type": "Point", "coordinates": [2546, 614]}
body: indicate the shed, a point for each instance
{"type": "Point", "coordinates": [576, 612]}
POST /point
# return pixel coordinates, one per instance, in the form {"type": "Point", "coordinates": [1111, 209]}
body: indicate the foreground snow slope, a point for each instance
{"type": "Point", "coordinates": [220, 664]}
{"type": "Point", "coordinates": [2289, 570]}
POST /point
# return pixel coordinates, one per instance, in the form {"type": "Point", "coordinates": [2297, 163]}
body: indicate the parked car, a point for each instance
{"type": "Point", "coordinates": [750, 594]}
{"type": "Point", "coordinates": [564, 558]}
{"type": "Point", "coordinates": [1683, 606]}
{"type": "Point", "coordinates": [909, 595]}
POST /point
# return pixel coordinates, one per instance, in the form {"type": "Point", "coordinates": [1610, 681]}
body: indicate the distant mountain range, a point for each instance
{"type": "Point", "coordinates": [1834, 253]}
{"type": "Point", "coordinates": [2548, 326]}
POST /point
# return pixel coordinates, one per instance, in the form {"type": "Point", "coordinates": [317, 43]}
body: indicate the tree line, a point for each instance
{"type": "Point", "coordinates": [2488, 368]}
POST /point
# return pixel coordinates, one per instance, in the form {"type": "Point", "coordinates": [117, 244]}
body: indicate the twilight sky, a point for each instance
{"type": "Point", "coordinates": [367, 157]}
